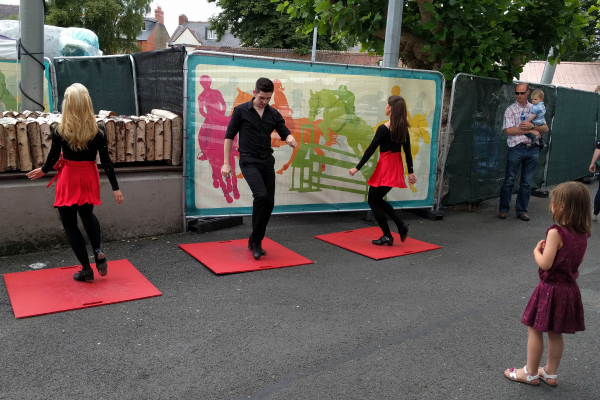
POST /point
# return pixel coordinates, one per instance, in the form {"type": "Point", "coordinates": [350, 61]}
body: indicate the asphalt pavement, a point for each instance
{"type": "Point", "coordinates": [442, 324]}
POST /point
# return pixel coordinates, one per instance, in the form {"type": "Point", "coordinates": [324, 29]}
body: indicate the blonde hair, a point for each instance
{"type": "Point", "coordinates": [78, 125]}
{"type": "Point", "coordinates": [539, 93]}
{"type": "Point", "coordinates": [570, 205]}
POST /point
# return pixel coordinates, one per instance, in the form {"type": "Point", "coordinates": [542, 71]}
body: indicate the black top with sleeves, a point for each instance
{"type": "Point", "coordinates": [97, 145]}
{"type": "Point", "coordinates": [255, 132]}
{"type": "Point", "coordinates": [383, 139]}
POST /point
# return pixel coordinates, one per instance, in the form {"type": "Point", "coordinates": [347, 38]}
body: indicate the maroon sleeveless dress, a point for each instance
{"type": "Point", "coordinates": [555, 304]}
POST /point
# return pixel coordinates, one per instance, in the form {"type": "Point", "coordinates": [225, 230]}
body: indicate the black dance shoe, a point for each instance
{"type": "Point", "coordinates": [262, 251]}
{"type": "Point", "coordinates": [85, 275]}
{"type": "Point", "coordinates": [404, 232]}
{"type": "Point", "coordinates": [383, 240]}
{"type": "Point", "coordinates": [101, 264]}
{"type": "Point", "coordinates": [257, 251]}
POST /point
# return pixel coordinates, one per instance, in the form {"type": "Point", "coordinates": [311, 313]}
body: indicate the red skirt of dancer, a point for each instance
{"type": "Point", "coordinates": [389, 171]}
{"type": "Point", "coordinates": [77, 182]}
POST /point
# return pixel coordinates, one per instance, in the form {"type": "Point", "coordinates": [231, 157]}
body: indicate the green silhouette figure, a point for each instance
{"type": "Point", "coordinates": [339, 116]}
{"type": "Point", "coordinates": [338, 119]}
{"type": "Point", "coordinates": [6, 98]}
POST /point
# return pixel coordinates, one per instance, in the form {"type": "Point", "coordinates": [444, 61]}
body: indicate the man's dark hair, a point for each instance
{"type": "Point", "coordinates": [264, 85]}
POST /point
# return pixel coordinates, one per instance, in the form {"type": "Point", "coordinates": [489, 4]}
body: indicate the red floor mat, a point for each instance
{"type": "Point", "coordinates": [53, 290]}
{"type": "Point", "coordinates": [231, 256]}
{"type": "Point", "coordinates": [359, 241]}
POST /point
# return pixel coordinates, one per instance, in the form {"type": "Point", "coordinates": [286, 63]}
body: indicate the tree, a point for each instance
{"type": "Point", "coordinates": [116, 22]}
{"type": "Point", "coordinates": [585, 53]}
{"type": "Point", "coordinates": [485, 37]}
{"type": "Point", "coordinates": [257, 23]}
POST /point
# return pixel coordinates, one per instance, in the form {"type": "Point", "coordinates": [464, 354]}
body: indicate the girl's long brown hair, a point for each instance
{"type": "Point", "coordinates": [398, 119]}
{"type": "Point", "coordinates": [571, 207]}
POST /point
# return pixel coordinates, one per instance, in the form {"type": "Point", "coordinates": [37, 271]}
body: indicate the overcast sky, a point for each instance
{"type": "Point", "coordinates": [195, 10]}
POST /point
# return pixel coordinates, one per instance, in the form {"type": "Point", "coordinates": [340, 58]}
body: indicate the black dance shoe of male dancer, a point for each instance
{"type": "Point", "coordinates": [257, 251]}
{"type": "Point", "coordinates": [101, 264]}
{"type": "Point", "coordinates": [262, 252]}
{"type": "Point", "coordinates": [383, 241]}
{"type": "Point", "coordinates": [85, 275]}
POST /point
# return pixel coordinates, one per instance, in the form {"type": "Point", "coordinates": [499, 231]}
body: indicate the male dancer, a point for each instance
{"type": "Point", "coordinates": [254, 121]}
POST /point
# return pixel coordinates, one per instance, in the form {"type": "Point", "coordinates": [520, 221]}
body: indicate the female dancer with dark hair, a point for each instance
{"type": "Point", "coordinates": [78, 183]}
{"type": "Point", "coordinates": [389, 172]}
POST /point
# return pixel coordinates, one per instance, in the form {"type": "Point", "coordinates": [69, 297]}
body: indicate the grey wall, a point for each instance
{"type": "Point", "coordinates": [152, 206]}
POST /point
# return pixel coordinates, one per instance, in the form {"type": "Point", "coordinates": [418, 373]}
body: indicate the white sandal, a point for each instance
{"type": "Point", "coordinates": [544, 376]}
{"type": "Point", "coordinates": [512, 375]}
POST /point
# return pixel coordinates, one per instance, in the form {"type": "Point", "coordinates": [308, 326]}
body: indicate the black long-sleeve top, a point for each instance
{"type": "Point", "coordinates": [383, 139]}
{"type": "Point", "coordinates": [97, 145]}
{"type": "Point", "coordinates": [255, 132]}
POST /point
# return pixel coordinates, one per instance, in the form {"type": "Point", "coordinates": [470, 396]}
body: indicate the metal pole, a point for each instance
{"type": "Point", "coordinates": [32, 55]}
{"type": "Point", "coordinates": [135, 90]}
{"type": "Point", "coordinates": [391, 48]}
{"type": "Point", "coordinates": [314, 48]}
{"type": "Point", "coordinates": [184, 127]}
{"type": "Point", "coordinates": [549, 69]}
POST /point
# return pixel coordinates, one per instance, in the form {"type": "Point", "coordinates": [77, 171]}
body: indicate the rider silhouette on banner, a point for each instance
{"type": "Point", "coordinates": [212, 107]}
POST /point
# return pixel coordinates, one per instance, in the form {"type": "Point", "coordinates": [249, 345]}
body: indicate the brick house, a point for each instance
{"type": "Point", "coordinates": [197, 34]}
{"type": "Point", "coordinates": [154, 36]}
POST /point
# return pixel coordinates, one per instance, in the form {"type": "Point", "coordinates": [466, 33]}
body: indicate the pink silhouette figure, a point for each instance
{"type": "Point", "coordinates": [212, 107]}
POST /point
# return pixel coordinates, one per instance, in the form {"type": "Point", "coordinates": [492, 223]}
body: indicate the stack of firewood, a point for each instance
{"type": "Point", "coordinates": [25, 138]}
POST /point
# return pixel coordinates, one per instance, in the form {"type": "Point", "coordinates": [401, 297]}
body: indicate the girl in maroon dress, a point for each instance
{"type": "Point", "coordinates": [390, 137]}
{"type": "Point", "coordinates": [555, 306]}
{"type": "Point", "coordinates": [79, 139]}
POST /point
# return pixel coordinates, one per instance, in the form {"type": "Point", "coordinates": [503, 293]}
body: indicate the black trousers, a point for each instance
{"type": "Point", "coordinates": [381, 208]}
{"type": "Point", "coordinates": [260, 175]}
{"type": "Point", "coordinates": [68, 216]}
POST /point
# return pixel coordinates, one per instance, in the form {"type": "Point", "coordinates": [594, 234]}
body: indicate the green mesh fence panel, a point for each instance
{"type": "Point", "coordinates": [159, 77]}
{"type": "Point", "coordinates": [573, 135]}
{"type": "Point", "coordinates": [108, 79]}
{"type": "Point", "coordinates": [477, 158]}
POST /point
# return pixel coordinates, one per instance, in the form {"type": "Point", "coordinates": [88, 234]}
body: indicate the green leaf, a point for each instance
{"type": "Point", "coordinates": [429, 7]}
{"type": "Point", "coordinates": [426, 48]}
{"type": "Point", "coordinates": [322, 6]}
{"type": "Point", "coordinates": [431, 25]}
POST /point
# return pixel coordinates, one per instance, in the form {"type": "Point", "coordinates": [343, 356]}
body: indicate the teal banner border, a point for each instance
{"type": "Point", "coordinates": [228, 60]}
{"type": "Point", "coordinates": [50, 91]}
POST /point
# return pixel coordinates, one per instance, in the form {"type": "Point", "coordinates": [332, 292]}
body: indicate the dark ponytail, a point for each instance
{"type": "Point", "coordinates": [398, 119]}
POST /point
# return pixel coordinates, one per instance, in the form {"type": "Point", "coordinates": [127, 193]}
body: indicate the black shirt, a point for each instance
{"type": "Point", "coordinates": [97, 144]}
{"type": "Point", "coordinates": [383, 139]}
{"type": "Point", "coordinates": [255, 132]}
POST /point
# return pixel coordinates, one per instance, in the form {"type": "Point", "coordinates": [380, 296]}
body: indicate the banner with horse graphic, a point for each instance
{"type": "Point", "coordinates": [10, 96]}
{"type": "Point", "coordinates": [333, 112]}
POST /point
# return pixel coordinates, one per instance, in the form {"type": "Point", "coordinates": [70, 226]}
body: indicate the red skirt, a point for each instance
{"type": "Point", "coordinates": [389, 171]}
{"type": "Point", "coordinates": [77, 182]}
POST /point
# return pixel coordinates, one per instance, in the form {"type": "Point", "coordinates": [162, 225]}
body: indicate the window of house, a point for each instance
{"type": "Point", "coordinates": [211, 35]}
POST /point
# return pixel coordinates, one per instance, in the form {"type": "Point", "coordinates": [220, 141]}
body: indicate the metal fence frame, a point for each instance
{"type": "Point", "coordinates": [543, 187]}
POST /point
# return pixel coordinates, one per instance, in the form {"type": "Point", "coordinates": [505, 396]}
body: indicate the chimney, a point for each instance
{"type": "Point", "coordinates": [182, 19]}
{"type": "Point", "coordinates": [159, 15]}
